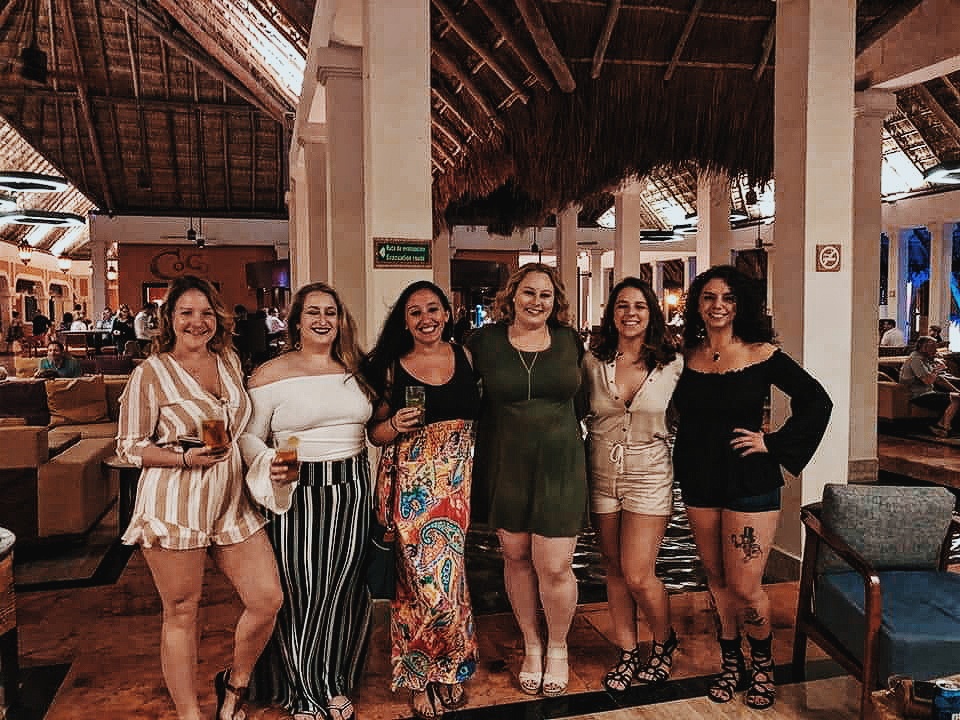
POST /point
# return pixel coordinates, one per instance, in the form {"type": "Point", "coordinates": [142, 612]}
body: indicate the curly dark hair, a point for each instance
{"type": "Point", "coordinates": [503, 303]}
{"type": "Point", "coordinates": [346, 349]}
{"type": "Point", "coordinates": [658, 348]}
{"type": "Point", "coordinates": [749, 324]}
{"type": "Point", "coordinates": [222, 340]}
{"type": "Point", "coordinates": [395, 341]}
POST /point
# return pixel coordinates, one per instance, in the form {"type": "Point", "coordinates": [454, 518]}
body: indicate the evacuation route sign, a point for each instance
{"type": "Point", "coordinates": [401, 253]}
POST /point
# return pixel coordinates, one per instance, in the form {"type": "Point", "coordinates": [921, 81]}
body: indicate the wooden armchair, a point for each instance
{"type": "Point", "coordinates": [875, 592]}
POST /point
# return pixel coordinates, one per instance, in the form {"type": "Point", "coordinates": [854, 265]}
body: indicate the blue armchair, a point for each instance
{"type": "Point", "coordinates": [875, 592]}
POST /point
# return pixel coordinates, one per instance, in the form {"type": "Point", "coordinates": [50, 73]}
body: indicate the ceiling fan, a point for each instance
{"type": "Point", "coordinates": [194, 236]}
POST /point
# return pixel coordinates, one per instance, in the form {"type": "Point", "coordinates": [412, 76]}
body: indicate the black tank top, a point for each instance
{"type": "Point", "coordinates": [458, 399]}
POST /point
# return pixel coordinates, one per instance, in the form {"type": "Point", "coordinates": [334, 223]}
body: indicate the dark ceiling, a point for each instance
{"type": "Point", "coordinates": [159, 107]}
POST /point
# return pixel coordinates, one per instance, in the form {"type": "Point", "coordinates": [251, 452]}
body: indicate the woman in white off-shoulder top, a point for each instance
{"type": "Point", "coordinates": [319, 524]}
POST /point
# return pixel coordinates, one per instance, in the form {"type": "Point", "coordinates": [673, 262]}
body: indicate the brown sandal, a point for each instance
{"type": "Point", "coordinates": [221, 684]}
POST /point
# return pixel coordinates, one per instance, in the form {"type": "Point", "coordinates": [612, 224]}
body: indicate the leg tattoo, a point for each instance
{"type": "Point", "coordinates": [747, 542]}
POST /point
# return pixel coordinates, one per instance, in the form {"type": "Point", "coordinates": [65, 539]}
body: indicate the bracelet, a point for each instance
{"type": "Point", "coordinates": [183, 459]}
{"type": "Point", "coordinates": [393, 424]}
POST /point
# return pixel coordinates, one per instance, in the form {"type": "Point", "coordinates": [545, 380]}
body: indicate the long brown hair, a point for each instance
{"type": "Point", "coordinates": [222, 339]}
{"type": "Point", "coordinates": [346, 350]}
{"type": "Point", "coordinates": [503, 303]}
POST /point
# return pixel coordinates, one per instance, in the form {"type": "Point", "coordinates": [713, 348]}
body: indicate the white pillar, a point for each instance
{"type": "Point", "coordinates": [626, 239]}
{"type": "Point", "coordinates": [565, 247]}
{"type": "Point", "coordinates": [872, 106]}
{"type": "Point", "coordinates": [941, 257]}
{"type": "Point", "coordinates": [397, 133]}
{"type": "Point", "coordinates": [98, 266]}
{"type": "Point", "coordinates": [597, 299]}
{"type": "Point", "coordinates": [813, 138]}
{"type": "Point", "coordinates": [714, 236]}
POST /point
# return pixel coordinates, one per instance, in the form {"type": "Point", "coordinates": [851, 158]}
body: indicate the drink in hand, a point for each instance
{"type": "Point", "coordinates": [214, 434]}
{"type": "Point", "coordinates": [287, 451]}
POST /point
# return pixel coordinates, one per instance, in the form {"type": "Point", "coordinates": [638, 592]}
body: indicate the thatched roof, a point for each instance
{"type": "Point", "coordinates": [163, 107]}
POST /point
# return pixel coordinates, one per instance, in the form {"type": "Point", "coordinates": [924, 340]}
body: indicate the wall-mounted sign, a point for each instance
{"type": "Point", "coordinates": [828, 258]}
{"type": "Point", "coordinates": [401, 253]}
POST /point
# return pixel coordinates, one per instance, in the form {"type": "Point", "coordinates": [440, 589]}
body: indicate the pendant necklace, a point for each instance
{"type": "Point", "coordinates": [716, 356]}
{"type": "Point", "coordinates": [528, 368]}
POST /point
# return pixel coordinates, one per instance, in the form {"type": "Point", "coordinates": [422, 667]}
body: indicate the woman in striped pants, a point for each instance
{"type": "Point", "coordinates": [318, 525]}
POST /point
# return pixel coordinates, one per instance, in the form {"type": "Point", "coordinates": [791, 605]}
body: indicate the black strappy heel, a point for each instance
{"type": "Point", "coordinates": [618, 679]}
{"type": "Point", "coordinates": [733, 672]}
{"type": "Point", "coordinates": [222, 685]}
{"type": "Point", "coordinates": [660, 663]}
{"type": "Point", "coordinates": [761, 693]}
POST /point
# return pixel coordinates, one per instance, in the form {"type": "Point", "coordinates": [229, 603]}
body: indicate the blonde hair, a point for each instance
{"type": "Point", "coordinates": [503, 304]}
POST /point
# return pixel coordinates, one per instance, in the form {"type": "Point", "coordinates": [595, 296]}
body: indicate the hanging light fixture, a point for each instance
{"type": "Point", "coordinates": [24, 251]}
{"type": "Point", "coordinates": [53, 218]}
{"type": "Point", "coordinates": [64, 263]}
{"type": "Point", "coordinates": [946, 173]}
{"type": "Point", "coordinates": [112, 272]}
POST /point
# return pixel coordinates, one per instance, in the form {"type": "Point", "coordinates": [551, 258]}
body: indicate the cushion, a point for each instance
{"type": "Point", "coordinates": [24, 399]}
{"type": "Point", "coordinates": [892, 527]}
{"type": "Point", "coordinates": [77, 400]}
{"type": "Point", "coordinates": [920, 623]}
{"type": "Point", "coordinates": [26, 367]}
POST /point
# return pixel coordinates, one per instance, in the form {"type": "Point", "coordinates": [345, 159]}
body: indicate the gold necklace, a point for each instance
{"type": "Point", "coordinates": [528, 368]}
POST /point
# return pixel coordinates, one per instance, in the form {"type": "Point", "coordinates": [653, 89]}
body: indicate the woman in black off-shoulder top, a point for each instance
{"type": "Point", "coordinates": [729, 469]}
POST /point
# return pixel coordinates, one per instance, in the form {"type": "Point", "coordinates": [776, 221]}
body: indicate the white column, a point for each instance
{"type": "Point", "coordinates": [565, 247]}
{"type": "Point", "coordinates": [714, 236]}
{"type": "Point", "coordinates": [872, 106]}
{"type": "Point", "coordinates": [941, 257]}
{"type": "Point", "coordinates": [813, 138]}
{"type": "Point", "coordinates": [597, 299]}
{"type": "Point", "coordinates": [657, 266]}
{"type": "Point", "coordinates": [441, 261]}
{"type": "Point", "coordinates": [397, 131]}
{"type": "Point", "coordinates": [626, 239]}
{"type": "Point", "coordinates": [98, 266]}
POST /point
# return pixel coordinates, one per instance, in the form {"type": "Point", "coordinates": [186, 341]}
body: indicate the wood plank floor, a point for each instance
{"type": "Point", "coordinates": [109, 635]}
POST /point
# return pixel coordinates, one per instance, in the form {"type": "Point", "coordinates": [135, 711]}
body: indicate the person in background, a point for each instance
{"type": "Point", "coordinates": [728, 465]}
{"type": "Point", "coordinates": [241, 336]}
{"type": "Point", "coordinates": [934, 332]}
{"type": "Point", "coordinates": [145, 326]}
{"type": "Point", "coordinates": [318, 526]}
{"type": "Point", "coordinates": [191, 500]}
{"type": "Point", "coordinates": [14, 331]}
{"type": "Point", "coordinates": [122, 330]}
{"type": "Point", "coordinates": [66, 323]}
{"type": "Point", "coordinates": [41, 325]}
{"type": "Point", "coordinates": [427, 469]}
{"type": "Point", "coordinates": [78, 324]}
{"type": "Point", "coordinates": [58, 363]}
{"type": "Point", "coordinates": [530, 461]}
{"type": "Point", "coordinates": [890, 334]}
{"type": "Point", "coordinates": [274, 323]}
{"type": "Point", "coordinates": [462, 326]}
{"type": "Point", "coordinates": [926, 376]}
{"type": "Point", "coordinates": [629, 378]}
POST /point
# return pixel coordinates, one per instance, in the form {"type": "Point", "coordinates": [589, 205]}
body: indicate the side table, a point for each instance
{"type": "Point", "coordinates": [9, 644]}
{"type": "Point", "coordinates": [884, 707]}
{"type": "Point", "coordinates": [127, 477]}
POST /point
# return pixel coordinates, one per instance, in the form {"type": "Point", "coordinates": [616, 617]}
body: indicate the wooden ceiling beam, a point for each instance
{"type": "Point", "coordinates": [448, 104]}
{"type": "Point", "coordinates": [449, 68]}
{"type": "Point", "coordinates": [138, 95]}
{"type": "Point", "coordinates": [481, 51]}
{"type": "Point", "coordinates": [276, 106]}
{"type": "Point", "coordinates": [767, 49]}
{"type": "Point", "coordinates": [543, 39]}
{"type": "Point", "coordinates": [253, 161]}
{"type": "Point", "coordinates": [442, 151]}
{"type": "Point", "coordinates": [227, 185]}
{"type": "Point", "coordinates": [613, 12]}
{"type": "Point", "coordinates": [187, 47]}
{"type": "Point", "coordinates": [100, 44]}
{"type": "Point", "coordinates": [201, 157]}
{"type": "Point", "coordinates": [951, 88]}
{"type": "Point", "coordinates": [949, 124]}
{"type": "Point", "coordinates": [514, 43]}
{"type": "Point", "coordinates": [682, 42]}
{"type": "Point", "coordinates": [105, 199]}
{"type": "Point", "coordinates": [663, 63]}
{"type": "Point", "coordinates": [883, 24]}
{"type": "Point", "coordinates": [79, 142]}
{"type": "Point", "coordinates": [176, 106]}
{"type": "Point", "coordinates": [5, 12]}
{"type": "Point", "coordinates": [447, 132]}
{"type": "Point", "coordinates": [174, 162]}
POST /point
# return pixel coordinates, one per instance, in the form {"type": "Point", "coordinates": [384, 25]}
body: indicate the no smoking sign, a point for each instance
{"type": "Point", "coordinates": [828, 258]}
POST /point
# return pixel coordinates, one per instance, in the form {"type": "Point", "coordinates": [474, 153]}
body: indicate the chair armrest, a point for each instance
{"type": "Point", "coordinates": [809, 515]}
{"type": "Point", "coordinates": [952, 529]}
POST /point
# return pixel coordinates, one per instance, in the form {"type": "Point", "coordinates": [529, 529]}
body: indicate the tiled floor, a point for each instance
{"type": "Point", "coordinates": [109, 635]}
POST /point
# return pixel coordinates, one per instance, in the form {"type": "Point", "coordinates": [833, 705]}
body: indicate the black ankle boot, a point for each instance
{"type": "Point", "coordinates": [733, 672]}
{"type": "Point", "coordinates": [761, 693]}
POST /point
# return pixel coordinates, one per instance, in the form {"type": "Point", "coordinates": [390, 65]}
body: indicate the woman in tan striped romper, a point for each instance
{"type": "Point", "coordinates": [191, 502]}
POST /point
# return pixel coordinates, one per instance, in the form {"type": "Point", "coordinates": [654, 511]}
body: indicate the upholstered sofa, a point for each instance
{"type": "Point", "coordinates": [893, 399]}
{"type": "Point", "coordinates": [54, 437]}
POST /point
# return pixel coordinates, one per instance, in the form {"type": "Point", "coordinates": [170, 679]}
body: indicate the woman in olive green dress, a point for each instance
{"type": "Point", "coordinates": [530, 459]}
